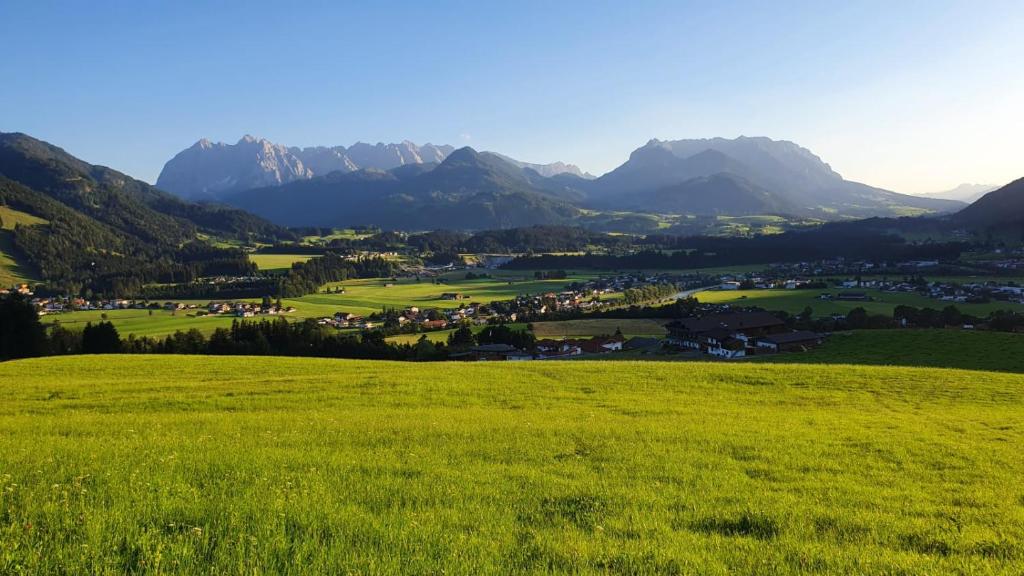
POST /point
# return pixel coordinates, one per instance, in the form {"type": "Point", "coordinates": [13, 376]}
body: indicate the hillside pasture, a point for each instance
{"type": "Point", "coordinates": [587, 328]}
{"type": "Point", "coordinates": [199, 465]}
{"type": "Point", "coordinates": [277, 262]}
{"type": "Point", "coordinates": [12, 269]}
{"type": "Point", "coordinates": [968, 349]}
{"type": "Point", "coordinates": [372, 295]}
{"type": "Point", "coordinates": [442, 335]}
{"type": "Point", "coordinates": [141, 322]}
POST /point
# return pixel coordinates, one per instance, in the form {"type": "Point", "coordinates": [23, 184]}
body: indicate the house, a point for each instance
{"type": "Point", "coordinates": [731, 285]}
{"type": "Point", "coordinates": [728, 348]}
{"type": "Point", "coordinates": [452, 296]}
{"type": "Point", "coordinates": [602, 344]}
{"type": "Point", "coordinates": [548, 348]}
{"type": "Point", "coordinates": [641, 343]}
{"type": "Point", "coordinates": [497, 352]}
{"type": "Point", "coordinates": [799, 340]}
{"type": "Point", "coordinates": [434, 324]}
{"type": "Point", "coordinates": [714, 334]}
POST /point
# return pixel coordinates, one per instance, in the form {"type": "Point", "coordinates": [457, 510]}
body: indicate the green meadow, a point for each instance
{"type": "Point", "coordinates": [794, 301]}
{"type": "Point", "coordinates": [371, 295]}
{"type": "Point", "coordinates": [968, 349]}
{"type": "Point", "coordinates": [141, 322]}
{"type": "Point", "coordinates": [277, 262]}
{"type": "Point", "coordinates": [11, 270]}
{"type": "Point", "coordinates": [221, 465]}
{"type": "Point", "coordinates": [587, 328]}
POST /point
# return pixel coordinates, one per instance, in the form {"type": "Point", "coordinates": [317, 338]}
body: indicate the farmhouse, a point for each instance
{"type": "Point", "coordinates": [723, 335]}
{"type": "Point", "coordinates": [496, 352]}
{"type": "Point", "coordinates": [452, 296]}
{"type": "Point", "coordinates": [798, 341]}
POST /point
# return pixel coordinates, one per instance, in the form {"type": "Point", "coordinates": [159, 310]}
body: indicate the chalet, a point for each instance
{"type": "Point", "coordinates": [602, 344]}
{"type": "Point", "coordinates": [452, 296]}
{"type": "Point", "coordinates": [495, 352]}
{"type": "Point", "coordinates": [716, 334]}
{"type": "Point", "coordinates": [790, 341]}
{"type": "Point", "coordinates": [434, 324]}
{"type": "Point", "coordinates": [727, 347]}
{"type": "Point", "coordinates": [641, 343]}
{"type": "Point", "coordinates": [548, 348]}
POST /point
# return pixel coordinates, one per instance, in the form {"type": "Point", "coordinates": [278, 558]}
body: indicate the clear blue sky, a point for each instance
{"type": "Point", "coordinates": [912, 96]}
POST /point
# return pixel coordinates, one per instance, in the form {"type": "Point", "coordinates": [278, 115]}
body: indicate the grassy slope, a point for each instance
{"type": "Point", "coordinates": [279, 262]}
{"type": "Point", "coordinates": [442, 335]}
{"type": "Point", "coordinates": [370, 295]}
{"type": "Point", "coordinates": [599, 327]}
{"type": "Point", "coordinates": [794, 301]}
{"type": "Point", "coordinates": [12, 271]}
{"type": "Point", "coordinates": [141, 323]}
{"type": "Point", "coordinates": [255, 465]}
{"type": "Point", "coordinates": [935, 348]}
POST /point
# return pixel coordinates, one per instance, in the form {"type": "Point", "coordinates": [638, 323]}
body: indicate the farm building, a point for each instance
{"type": "Point", "coordinates": [790, 341]}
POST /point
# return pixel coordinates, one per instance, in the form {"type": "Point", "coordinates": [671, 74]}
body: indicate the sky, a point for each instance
{"type": "Point", "coordinates": [912, 96]}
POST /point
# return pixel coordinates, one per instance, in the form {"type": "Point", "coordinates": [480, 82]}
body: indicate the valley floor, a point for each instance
{"type": "Point", "coordinates": [195, 465]}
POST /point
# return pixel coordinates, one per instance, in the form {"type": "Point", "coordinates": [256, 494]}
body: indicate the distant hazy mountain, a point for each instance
{"type": "Point", "coordinates": [547, 170]}
{"type": "Point", "coordinates": [786, 175]}
{"type": "Point", "coordinates": [210, 171]}
{"type": "Point", "coordinates": [408, 186]}
{"type": "Point", "coordinates": [1001, 207]}
{"type": "Point", "coordinates": [964, 192]}
{"type": "Point", "coordinates": [468, 190]}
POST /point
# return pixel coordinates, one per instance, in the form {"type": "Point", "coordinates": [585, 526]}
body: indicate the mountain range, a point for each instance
{"type": "Point", "coordinates": [78, 226]}
{"type": "Point", "coordinates": [716, 176]}
{"type": "Point", "coordinates": [209, 170]}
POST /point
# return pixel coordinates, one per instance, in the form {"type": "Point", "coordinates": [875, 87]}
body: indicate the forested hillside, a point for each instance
{"type": "Point", "coordinates": [106, 232]}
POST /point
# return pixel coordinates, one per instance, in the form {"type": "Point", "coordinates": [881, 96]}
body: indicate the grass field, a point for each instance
{"type": "Point", "coordinates": [271, 262]}
{"type": "Point", "coordinates": [441, 335]}
{"type": "Point", "coordinates": [140, 323]}
{"type": "Point", "coordinates": [972, 350]}
{"type": "Point", "coordinates": [371, 295]}
{"type": "Point", "coordinates": [12, 271]}
{"type": "Point", "coordinates": [280, 465]}
{"type": "Point", "coordinates": [599, 327]}
{"type": "Point", "coordinates": [794, 301]}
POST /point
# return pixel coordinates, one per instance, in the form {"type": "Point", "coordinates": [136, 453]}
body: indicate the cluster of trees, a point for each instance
{"type": "Point", "coordinates": [649, 293]}
{"type": "Point", "coordinates": [502, 334]}
{"type": "Point", "coordinates": [23, 336]}
{"type": "Point", "coordinates": [307, 277]}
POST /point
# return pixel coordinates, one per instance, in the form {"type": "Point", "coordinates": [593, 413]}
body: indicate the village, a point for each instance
{"type": "Point", "coordinates": [790, 278]}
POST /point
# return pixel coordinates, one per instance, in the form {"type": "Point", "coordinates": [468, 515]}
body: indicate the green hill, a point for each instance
{"type": "Point", "coordinates": [192, 465]}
